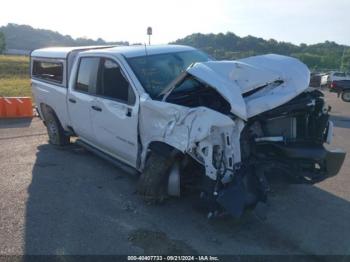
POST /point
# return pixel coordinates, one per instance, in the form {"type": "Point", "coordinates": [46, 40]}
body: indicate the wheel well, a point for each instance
{"type": "Point", "coordinates": [164, 149]}
{"type": "Point", "coordinates": [44, 109]}
{"type": "Point", "coordinates": [48, 109]}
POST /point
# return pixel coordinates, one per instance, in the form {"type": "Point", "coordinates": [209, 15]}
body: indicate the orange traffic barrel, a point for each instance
{"type": "Point", "coordinates": [15, 107]}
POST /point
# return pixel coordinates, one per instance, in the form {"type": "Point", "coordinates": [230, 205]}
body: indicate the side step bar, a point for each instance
{"type": "Point", "coordinates": [117, 163]}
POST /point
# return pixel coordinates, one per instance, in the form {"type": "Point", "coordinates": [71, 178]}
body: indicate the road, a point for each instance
{"type": "Point", "coordinates": [69, 201]}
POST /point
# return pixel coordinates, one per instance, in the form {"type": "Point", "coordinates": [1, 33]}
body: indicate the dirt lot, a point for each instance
{"type": "Point", "coordinates": [68, 201]}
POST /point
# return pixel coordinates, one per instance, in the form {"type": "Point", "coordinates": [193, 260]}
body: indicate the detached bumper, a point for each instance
{"type": "Point", "coordinates": [307, 165]}
{"type": "Point", "coordinates": [304, 164]}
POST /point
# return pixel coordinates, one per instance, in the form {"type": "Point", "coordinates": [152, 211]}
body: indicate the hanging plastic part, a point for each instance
{"type": "Point", "coordinates": [233, 197]}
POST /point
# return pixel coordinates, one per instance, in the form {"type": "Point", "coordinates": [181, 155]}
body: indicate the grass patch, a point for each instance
{"type": "Point", "coordinates": [14, 76]}
{"type": "Point", "coordinates": [15, 87]}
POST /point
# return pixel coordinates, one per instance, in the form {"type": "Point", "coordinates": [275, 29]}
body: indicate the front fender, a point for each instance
{"type": "Point", "coordinates": [195, 131]}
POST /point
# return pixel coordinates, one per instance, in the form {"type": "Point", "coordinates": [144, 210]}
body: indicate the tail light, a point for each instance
{"type": "Point", "coordinates": [333, 85]}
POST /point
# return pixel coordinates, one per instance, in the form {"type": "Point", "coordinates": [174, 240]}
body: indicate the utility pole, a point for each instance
{"type": "Point", "coordinates": [342, 60]}
{"type": "Point", "coordinates": [149, 33]}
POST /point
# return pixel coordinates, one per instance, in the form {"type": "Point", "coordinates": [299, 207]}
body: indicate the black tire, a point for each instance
{"type": "Point", "coordinates": [54, 129]}
{"type": "Point", "coordinates": [153, 182]}
{"type": "Point", "coordinates": [345, 96]}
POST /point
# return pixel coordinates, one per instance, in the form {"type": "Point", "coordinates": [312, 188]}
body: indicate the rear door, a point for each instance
{"type": "Point", "coordinates": [82, 96]}
{"type": "Point", "coordinates": [114, 114]}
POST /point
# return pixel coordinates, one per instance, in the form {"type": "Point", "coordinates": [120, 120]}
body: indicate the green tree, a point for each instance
{"type": "Point", "coordinates": [345, 63]}
{"type": "Point", "coordinates": [2, 42]}
{"type": "Point", "coordinates": [323, 56]}
{"type": "Point", "coordinates": [24, 37]}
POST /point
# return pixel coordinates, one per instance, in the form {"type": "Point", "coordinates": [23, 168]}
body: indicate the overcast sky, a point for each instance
{"type": "Point", "coordinates": [296, 21]}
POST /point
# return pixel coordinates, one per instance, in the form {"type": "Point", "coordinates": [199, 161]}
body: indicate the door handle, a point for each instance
{"type": "Point", "coordinates": [129, 112]}
{"type": "Point", "coordinates": [72, 100]}
{"type": "Point", "coordinates": [96, 108]}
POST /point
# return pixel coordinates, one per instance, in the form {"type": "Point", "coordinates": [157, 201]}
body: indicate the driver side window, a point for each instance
{"type": "Point", "coordinates": [113, 83]}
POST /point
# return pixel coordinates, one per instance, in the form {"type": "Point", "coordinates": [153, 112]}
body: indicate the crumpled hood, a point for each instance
{"type": "Point", "coordinates": [237, 80]}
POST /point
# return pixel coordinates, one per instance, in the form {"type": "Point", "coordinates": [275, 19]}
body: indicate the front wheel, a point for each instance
{"type": "Point", "coordinates": [346, 96]}
{"type": "Point", "coordinates": [54, 129]}
{"type": "Point", "coordinates": [153, 182]}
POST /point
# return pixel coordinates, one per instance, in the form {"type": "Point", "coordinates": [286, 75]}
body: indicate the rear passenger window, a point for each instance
{"type": "Point", "coordinates": [87, 75]}
{"type": "Point", "coordinates": [113, 83]}
{"type": "Point", "coordinates": [50, 71]}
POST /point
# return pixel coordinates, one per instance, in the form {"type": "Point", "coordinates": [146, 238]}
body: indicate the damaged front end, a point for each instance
{"type": "Point", "coordinates": [244, 122]}
{"type": "Point", "coordinates": [285, 143]}
{"type": "Point", "coordinates": [290, 138]}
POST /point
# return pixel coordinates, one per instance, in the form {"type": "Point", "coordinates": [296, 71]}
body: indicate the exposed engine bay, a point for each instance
{"type": "Point", "coordinates": [293, 131]}
{"type": "Point", "coordinates": [193, 93]}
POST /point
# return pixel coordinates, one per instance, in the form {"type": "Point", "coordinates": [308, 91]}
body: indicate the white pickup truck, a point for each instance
{"type": "Point", "coordinates": [182, 120]}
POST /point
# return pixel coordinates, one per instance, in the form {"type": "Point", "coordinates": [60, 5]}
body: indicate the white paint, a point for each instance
{"type": "Point", "coordinates": [190, 130]}
{"type": "Point", "coordinates": [60, 52]}
{"type": "Point", "coordinates": [127, 51]}
{"type": "Point", "coordinates": [232, 79]}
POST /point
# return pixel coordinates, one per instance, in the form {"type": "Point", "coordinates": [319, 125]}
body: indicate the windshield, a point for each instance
{"type": "Point", "coordinates": [156, 72]}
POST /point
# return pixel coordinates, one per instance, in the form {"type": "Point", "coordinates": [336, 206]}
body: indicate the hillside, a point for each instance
{"type": "Point", "coordinates": [322, 56]}
{"type": "Point", "coordinates": [25, 37]}
{"type": "Point", "coordinates": [327, 55]}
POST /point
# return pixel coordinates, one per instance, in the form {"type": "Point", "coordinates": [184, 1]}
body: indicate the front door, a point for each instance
{"type": "Point", "coordinates": [114, 114]}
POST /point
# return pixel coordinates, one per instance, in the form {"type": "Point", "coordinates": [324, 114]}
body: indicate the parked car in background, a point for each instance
{"type": "Point", "coordinates": [315, 79]}
{"type": "Point", "coordinates": [336, 76]}
{"type": "Point", "coordinates": [342, 88]}
{"type": "Point", "coordinates": [327, 79]}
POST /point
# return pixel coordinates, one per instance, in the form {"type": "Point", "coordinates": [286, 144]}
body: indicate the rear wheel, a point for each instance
{"type": "Point", "coordinates": [346, 96]}
{"type": "Point", "coordinates": [54, 129]}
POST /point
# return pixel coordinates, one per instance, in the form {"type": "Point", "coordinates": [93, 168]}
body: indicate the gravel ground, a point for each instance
{"type": "Point", "coordinates": [68, 201]}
